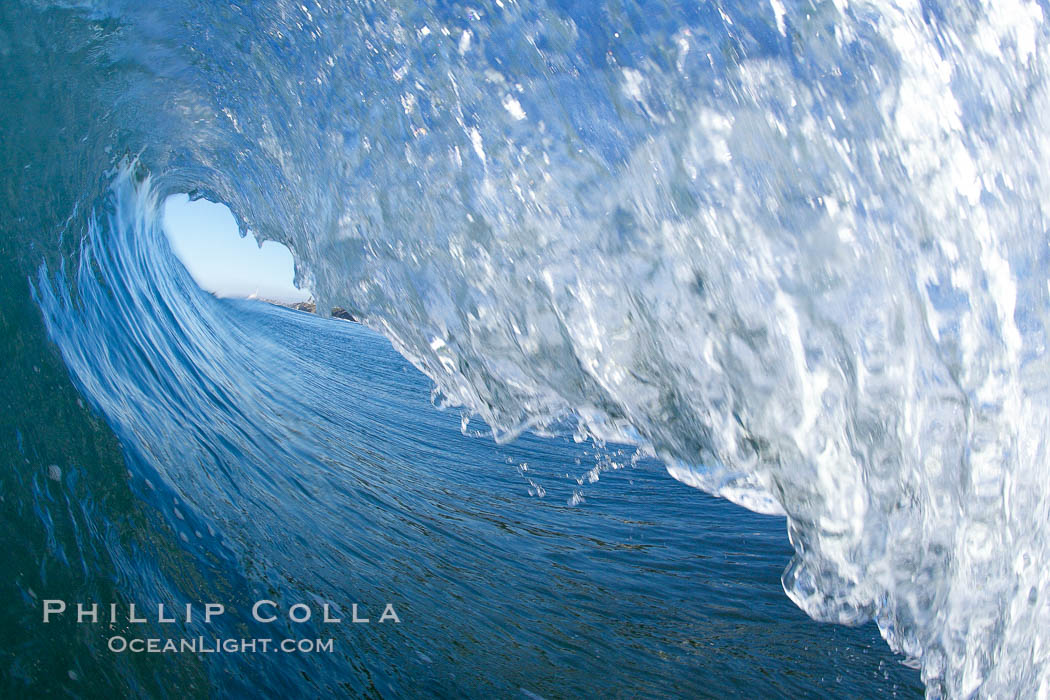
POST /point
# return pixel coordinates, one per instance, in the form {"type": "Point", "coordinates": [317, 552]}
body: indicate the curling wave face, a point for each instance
{"type": "Point", "coordinates": [797, 250]}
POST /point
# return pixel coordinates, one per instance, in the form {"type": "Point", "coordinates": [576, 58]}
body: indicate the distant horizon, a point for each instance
{"type": "Point", "coordinates": [205, 237]}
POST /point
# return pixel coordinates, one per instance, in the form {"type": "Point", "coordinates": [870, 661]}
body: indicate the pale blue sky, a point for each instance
{"type": "Point", "coordinates": [204, 236]}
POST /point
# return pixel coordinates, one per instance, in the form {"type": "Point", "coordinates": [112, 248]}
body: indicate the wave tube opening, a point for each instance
{"type": "Point", "coordinates": [205, 237]}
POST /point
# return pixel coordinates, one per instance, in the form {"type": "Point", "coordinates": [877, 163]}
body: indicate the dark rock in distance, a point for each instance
{"type": "Point", "coordinates": [311, 308]}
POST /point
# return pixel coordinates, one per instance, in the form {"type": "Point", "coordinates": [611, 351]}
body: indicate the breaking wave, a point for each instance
{"type": "Point", "coordinates": [796, 250]}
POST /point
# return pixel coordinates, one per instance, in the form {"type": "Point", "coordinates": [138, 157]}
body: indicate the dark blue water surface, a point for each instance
{"type": "Point", "coordinates": [643, 587]}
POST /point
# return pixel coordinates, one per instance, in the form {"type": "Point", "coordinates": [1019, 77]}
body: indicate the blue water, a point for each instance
{"type": "Point", "coordinates": [644, 588]}
{"type": "Point", "coordinates": [278, 455]}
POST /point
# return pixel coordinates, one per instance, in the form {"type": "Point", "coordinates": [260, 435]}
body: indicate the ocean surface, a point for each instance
{"type": "Point", "coordinates": [543, 567]}
{"type": "Point", "coordinates": [624, 270]}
